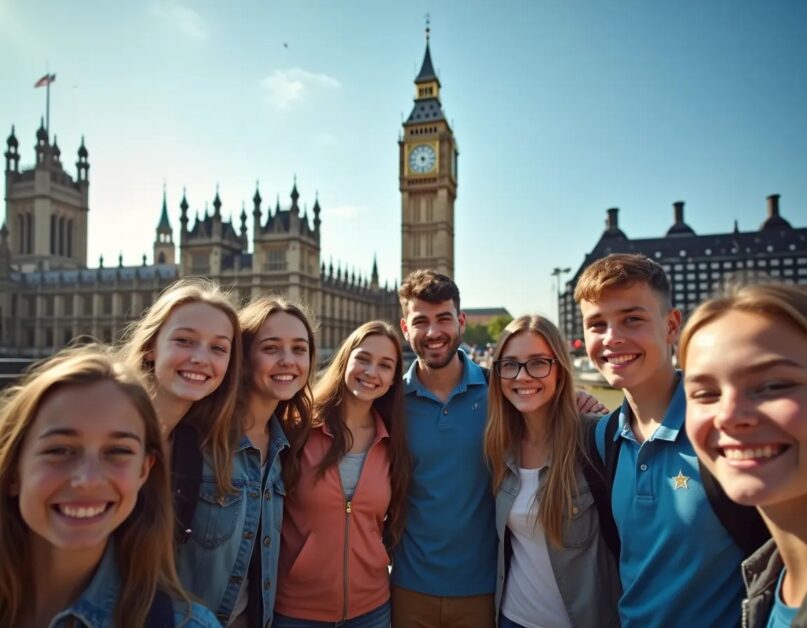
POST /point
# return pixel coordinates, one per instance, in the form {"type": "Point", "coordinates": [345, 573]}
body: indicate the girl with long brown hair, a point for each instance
{"type": "Point", "coordinates": [188, 347]}
{"type": "Point", "coordinates": [351, 490]}
{"type": "Point", "coordinates": [275, 408]}
{"type": "Point", "coordinates": [86, 522]}
{"type": "Point", "coordinates": [553, 569]}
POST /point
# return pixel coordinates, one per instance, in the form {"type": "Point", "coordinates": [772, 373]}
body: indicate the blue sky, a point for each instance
{"type": "Point", "coordinates": [561, 110]}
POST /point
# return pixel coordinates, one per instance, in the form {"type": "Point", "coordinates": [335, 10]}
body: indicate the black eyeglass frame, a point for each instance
{"type": "Point", "coordinates": [497, 365]}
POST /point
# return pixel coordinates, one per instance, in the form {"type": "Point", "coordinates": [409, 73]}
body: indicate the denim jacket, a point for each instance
{"type": "Point", "coordinates": [584, 568]}
{"type": "Point", "coordinates": [96, 606]}
{"type": "Point", "coordinates": [213, 563]}
{"type": "Point", "coordinates": [761, 572]}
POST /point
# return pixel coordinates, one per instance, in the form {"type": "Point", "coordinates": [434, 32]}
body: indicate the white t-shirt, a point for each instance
{"type": "Point", "coordinates": [531, 597]}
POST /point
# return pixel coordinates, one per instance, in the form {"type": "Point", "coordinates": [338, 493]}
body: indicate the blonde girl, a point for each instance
{"type": "Point", "coordinates": [553, 568]}
{"type": "Point", "coordinates": [188, 347]}
{"type": "Point", "coordinates": [86, 520]}
{"type": "Point", "coordinates": [745, 377]}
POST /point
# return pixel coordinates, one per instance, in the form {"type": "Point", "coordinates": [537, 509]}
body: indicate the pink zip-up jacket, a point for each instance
{"type": "Point", "coordinates": [333, 564]}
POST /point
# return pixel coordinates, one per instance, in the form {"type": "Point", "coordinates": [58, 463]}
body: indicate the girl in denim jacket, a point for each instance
{"type": "Point", "coordinates": [86, 522]}
{"type": "Point", "coordinates": [188, 347]}
{"type": "Point", "coordinates": [554, 569]}
{"type": "Point", "coordinates": [745, 363]}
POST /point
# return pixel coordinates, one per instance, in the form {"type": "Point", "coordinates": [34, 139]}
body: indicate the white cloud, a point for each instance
{"type": "Point", "coordinates": [183, 17]}
{"type": "Point", "coordinates": [286, 87]}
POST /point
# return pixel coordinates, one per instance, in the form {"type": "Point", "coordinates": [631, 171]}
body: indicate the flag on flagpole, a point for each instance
{"type": "Point", "coordinates": [45, 80]}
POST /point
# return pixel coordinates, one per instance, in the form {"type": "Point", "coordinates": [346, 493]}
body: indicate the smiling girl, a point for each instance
{"type": "Point", "coordinates": [188, 346]}
{"type": "Point", "coordinates": [85, 506]}
{"type": "Point", "coordinates": [276, 411]}
{"type": "Point", "coordinates": [745, 363]}
{"type": "Point", "coordinates": [554, 569]}
{"type": "Point", "coordinates": [351, 490]}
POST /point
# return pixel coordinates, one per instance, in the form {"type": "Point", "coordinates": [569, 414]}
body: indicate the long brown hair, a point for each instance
{"type": "Point", "coordinates": [144, 541]}
{"type": "Point", "coordinates": [213, 415]}
{"type": "Point", "coordinates": [329, 393]}
{"type": "Point", "coordinates": [505, 428]}
{"type": "Point", "coordinates": [294, 414]}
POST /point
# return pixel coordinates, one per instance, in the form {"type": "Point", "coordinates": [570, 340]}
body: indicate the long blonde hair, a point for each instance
{"type": "Point", "coordinates": [144, 541]}
{"type": "Point", "coordinates": [294, 414]}
{"type": "Point", "coordinates": [329, 392]}
{"type": "Point", "coordinates": [505, 428]}
{"type": "Point", "coordinates": [772, 300]}
{"type": "Point", "coordinates": [214, 416]}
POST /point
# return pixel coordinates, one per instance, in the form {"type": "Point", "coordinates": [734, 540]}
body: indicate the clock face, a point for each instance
{"type": "Point", "coordinates": [422, 159]}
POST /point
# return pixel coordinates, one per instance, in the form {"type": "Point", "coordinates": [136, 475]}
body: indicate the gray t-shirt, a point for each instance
{"type": "Point", "coordinates": [349, 470]}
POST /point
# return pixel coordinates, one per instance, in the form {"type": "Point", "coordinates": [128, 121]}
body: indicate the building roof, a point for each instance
{"type": "Point", "coordinates": [427, 72]}
{"type": "Point", "coordinates": [426, 110]}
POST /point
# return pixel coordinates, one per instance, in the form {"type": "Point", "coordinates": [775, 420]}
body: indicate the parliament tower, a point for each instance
{"type": "Point", "coordinates": [428, 179]}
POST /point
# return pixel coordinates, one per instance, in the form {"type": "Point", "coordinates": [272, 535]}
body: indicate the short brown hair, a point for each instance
{"type": "Point", "coordinates": [429, 285]}
{"type": "Point", "coordinates": [621, 270]}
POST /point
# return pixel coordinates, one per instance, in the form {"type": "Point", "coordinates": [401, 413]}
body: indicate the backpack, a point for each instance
{"type": "Point", "coordinates": [743, 523]}
{"type": "Point", "coordinates": [186, 477]}
{"type": "Point", "coordinates": [161, 613]}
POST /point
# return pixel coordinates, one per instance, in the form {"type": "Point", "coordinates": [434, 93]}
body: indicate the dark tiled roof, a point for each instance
{"type": "Point", "coordinates": [101, 275]}
{"type": "Point", "coordinates": [427, 69]}
{"type": "Point", "coordinates": [427, 110]}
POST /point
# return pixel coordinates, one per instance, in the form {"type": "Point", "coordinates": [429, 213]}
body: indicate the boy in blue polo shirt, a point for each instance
{"type": "Point", "coordinates": [678, 564]}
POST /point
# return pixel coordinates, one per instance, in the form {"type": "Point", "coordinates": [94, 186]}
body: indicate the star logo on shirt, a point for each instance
{"type": "Point", "coordinates": [680, 480]}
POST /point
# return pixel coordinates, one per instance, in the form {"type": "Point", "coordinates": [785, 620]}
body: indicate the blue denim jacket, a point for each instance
{"type": "Point", "coordinates": [213, 563]}
{"type": "Point", "coordinates": [96, 606]}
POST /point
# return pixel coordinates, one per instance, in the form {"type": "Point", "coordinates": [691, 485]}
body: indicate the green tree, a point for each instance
{"type": "Point", "coordinates": [497, 325]}
{"type": "Point", "coordinates": [476, 334]}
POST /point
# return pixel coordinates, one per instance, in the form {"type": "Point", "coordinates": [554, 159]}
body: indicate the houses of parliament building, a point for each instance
{"type": "Point", "coordinates": [49, 295]}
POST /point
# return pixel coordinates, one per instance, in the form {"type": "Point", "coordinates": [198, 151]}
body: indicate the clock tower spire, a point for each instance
{"type": "Point", "coordinates": [428, 178]}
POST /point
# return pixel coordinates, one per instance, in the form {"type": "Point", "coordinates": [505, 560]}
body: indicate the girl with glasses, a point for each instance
{"type": "Point", "coordinates": [351, 491]}
{"type": "Point", "coordinates": [554, 568]}
{"type": "Point", "coordinates": [745, 364]}
{"type": "Point", "coordinates": [86, 522]}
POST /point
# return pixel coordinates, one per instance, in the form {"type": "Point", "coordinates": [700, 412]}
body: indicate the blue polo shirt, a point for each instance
{"type": "Point", "coordinates": [448, 547]}
{"type": "Point", "coordinates": [679, 566]}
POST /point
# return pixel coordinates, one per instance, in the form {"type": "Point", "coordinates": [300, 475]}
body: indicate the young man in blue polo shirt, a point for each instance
{"type": "Point", "coordinates": [444, 568]}
{"type": "Point", "coordinates": [678, 564]}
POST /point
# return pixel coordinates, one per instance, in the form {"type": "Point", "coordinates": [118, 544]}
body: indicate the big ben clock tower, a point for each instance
{"type": "Point", "coordinates": [428, 179]}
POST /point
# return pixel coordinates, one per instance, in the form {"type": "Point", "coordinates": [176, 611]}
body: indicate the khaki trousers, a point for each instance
{"type": "Point", "coordinates": [411, 609]}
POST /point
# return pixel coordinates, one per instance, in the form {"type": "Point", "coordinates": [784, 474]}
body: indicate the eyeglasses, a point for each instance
{"type": "Point", "coordinates": [537, 367]}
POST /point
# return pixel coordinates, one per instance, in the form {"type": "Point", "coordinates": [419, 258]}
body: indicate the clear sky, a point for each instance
{"type": "Point", "coordinates": [561, 110]}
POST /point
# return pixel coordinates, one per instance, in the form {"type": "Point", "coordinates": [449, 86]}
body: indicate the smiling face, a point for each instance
{"type": "Point", "coordinates": [529, 395]}
{"type": "Point", "coordinates": [434, 330]}
{"type": "Point", "coordinates": [280, 358]}
{"type": "Point", "coordinates": [746, 387]}
{"type": "Point", "coordinates": [81, 466]}
{"type": "Point", "coordinates": [191, 352]}
{"type": "Point", "coordinates": [628, 333]}
{"type": "Point", "coordinates": [371, 368]}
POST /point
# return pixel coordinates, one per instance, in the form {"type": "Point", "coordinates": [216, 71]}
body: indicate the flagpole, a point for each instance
{"type": "Point", "coordinates": [47, 108]}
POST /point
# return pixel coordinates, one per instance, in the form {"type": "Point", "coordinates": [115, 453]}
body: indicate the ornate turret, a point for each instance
{"type": "Point", "coordinates": [374, 274]}
{"type": "Point", "coordinates": [316, 210]}
{"type": "Point", "coordinates": [82, 165]}
{"type": "Point", "coordinates": [164, 249]}
{"type": "Point", "coordinates": [12, 153]}
{"type": "Point", "coordinates": [42, 145]}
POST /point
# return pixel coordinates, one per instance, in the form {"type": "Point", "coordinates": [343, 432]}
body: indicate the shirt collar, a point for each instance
{"type": "Point", "coordinates": [673, 419]}
{"type": "Point", "coordinates": [277, 437]}
{"type": "Point", "coordinates": [472, 375]}
{"type": "Point", "coordinates": [96, 606]}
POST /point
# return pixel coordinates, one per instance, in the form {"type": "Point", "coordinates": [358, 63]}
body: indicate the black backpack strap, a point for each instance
{"type": "Point", "coordinates": [161, 613]}
{"type": "Point", "coordinates": [186, 477]}
{"type": "Point", "coordinates": [743, 523]}
{"type": "Point", "coordinates": [599, 482]}
{"type": "Point", "coordinates": [486, 373]}
{"type": "Point", "coordinates": [611, 449]}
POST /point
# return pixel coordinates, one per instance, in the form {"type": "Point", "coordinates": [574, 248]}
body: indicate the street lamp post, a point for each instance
{"type": "Point", "coordinates": [557, 272]}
